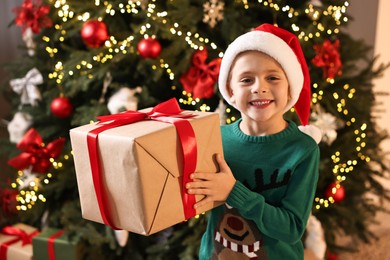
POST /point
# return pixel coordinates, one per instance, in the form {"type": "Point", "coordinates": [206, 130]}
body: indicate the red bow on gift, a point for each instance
{"type": "Point", "coordinates": [35, 153]}
{"type": "Point", "coordinates": [201, 77]}
{"type": "Point", "coordinates": [328, 58]}
{"type": "Point", "coordinates": [33, 16]}
{"type": "Point", "coordinates": [169, 108]}
{"type": "Point", "coordinates": [19, 234]}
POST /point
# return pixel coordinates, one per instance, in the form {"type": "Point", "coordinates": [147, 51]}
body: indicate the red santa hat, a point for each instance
{"type": "Point", "coordinates": [284, 47]}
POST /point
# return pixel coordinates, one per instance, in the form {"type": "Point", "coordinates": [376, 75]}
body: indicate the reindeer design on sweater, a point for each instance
{"type": "Point", "coordinates": [237, 237]}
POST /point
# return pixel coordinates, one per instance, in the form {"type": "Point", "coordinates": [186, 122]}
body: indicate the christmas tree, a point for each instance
{"type": "Point", "coordinates": [91, 58]}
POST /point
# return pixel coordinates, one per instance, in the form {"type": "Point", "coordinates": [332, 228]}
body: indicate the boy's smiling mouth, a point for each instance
{"type": "Point", "coordinates": [260, 102]}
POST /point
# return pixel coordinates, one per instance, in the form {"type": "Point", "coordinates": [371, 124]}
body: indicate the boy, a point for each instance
{"type": "Point", "coordinates": [269, 178]}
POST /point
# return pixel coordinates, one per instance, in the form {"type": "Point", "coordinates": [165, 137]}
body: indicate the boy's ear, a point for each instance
{"type": "Point", "coordinates": [230, 91]}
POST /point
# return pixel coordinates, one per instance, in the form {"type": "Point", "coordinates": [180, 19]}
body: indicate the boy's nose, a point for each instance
{"type": "Point", "coordinates": [259, 88]}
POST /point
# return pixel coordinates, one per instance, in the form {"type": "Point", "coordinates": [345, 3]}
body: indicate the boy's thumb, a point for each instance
{"type": "Point", "coordinates": [221, 161]}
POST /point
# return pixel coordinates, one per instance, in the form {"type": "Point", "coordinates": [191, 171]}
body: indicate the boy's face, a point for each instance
{"type": "Point", "coordinates": [259, 88]}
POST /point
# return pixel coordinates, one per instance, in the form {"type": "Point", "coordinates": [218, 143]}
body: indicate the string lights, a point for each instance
{"type": "Point", "coordinates": [113, 46]}
{"type": "Point", "coordinates": [30, 185]}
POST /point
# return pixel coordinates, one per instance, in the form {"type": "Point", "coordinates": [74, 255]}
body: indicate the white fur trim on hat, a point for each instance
{"type": "Point", "coordinates": [271, 45]}
{"type": "Point", "coordinates": [312, 131]}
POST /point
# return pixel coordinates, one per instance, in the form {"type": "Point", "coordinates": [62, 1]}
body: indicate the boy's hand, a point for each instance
{"type": "Point", "coordinates": [215, 186]}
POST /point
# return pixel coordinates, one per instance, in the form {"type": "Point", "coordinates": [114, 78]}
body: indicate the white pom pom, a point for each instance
{"type": "Point", "coordinates": [312, 131]}
{"type": "Point", "coordinates": [121, 237]}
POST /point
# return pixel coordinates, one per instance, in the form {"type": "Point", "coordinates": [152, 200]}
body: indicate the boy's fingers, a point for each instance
{"type": "Point", "coordinates": [198, 191]}
{"type": "Point", "coordinates": [201, 176]}
{"type": "Point", "coordinates": [196, 184]}
{"type": "Point", "coordinates": [202, 202]}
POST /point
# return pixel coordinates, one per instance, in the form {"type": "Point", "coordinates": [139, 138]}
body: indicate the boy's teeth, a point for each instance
{"type": "Point", "coordinates": [259, 103]}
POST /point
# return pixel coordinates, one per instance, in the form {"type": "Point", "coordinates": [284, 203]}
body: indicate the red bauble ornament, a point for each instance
{"type": "Point", "coordinates": [336, 191]}
{"type": "Point", "coordinates": [149, 48]}
{"type": "Point", "coordinates": [94, 33]}
{"type": "Point", "coordinates": [61, 107]}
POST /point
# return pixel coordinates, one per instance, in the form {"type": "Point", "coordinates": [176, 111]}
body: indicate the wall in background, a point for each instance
{"type": "Point", "coordinates": [382, 85]}
{"type": "Point", "coordinates": [10, 39]}
{"type": "Point", "coordinates": [364, 20]}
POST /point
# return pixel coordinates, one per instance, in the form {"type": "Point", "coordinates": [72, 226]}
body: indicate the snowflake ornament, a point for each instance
{"type": "Point", "coordinates": [213, 12]}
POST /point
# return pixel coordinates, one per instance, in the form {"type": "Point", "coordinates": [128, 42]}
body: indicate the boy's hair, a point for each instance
{"type": "Point", "coordinates": [284, 47]}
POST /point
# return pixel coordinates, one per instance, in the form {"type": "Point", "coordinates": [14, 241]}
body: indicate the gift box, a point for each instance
{"type": "Point", "coordinates": [52, 244]}
{"type": "Point", "coordinates": [15, 242]}
{"type": "Point", "coordinates": [143, 165]}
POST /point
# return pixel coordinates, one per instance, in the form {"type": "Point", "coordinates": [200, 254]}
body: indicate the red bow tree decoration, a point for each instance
{"type": "Point", "coordinates": [201, 77]}
{"type": "Point", "coordinates": [328, 58]}
{"type": "Point", "coordinates": [35, 153]}
{"type": "Point", "coordinates": [32, 15]}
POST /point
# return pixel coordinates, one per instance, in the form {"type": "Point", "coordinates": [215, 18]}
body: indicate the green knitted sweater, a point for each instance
{"type": "Point", "coordinates": [266, 213]}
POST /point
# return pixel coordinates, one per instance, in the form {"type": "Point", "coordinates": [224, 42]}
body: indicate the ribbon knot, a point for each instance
{"type": "Point", "coordinates": [19, 234]}
{"type": "Point", "coordinates": [35, 153]}
{"type": "Point", "coordinates": [27, 87]}
{"type": "Point", "coordinates": [165, 110]}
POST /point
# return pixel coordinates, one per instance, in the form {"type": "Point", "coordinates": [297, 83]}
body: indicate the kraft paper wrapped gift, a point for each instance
{"type": "Point", "coordinates": [54, 243]}
{"type": "Point", "coordinates": [141, 165]}
{"type": "Point", "coordinates": [17, 247]}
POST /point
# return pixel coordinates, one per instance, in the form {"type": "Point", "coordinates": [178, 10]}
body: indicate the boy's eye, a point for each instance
{"type": "Point", "coordinates": [272, 78]}
{"type": "Point", "coordinates": [246, 80]}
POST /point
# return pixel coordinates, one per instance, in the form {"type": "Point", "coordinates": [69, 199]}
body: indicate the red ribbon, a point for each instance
{"type": "Point", "coordinates": [50, 244]}
{"type": "Point", "coordinates": [168, 112]}
{"type": "Point", "coordinates": [19, 234]}
{"type": "Point", "coordinates": [35, 154]}
{"type": "Point", "coordinates": [201, 77]}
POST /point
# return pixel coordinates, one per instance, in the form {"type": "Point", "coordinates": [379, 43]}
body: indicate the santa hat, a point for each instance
{"type": "Point", "coordinates": [284, 47]}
